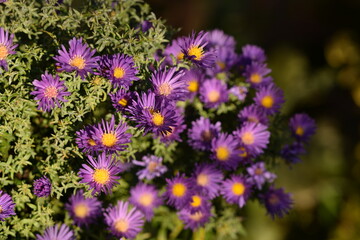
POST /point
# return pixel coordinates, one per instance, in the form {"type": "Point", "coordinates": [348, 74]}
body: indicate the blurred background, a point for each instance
{"type": "Point", "coordinates": [313, 48]}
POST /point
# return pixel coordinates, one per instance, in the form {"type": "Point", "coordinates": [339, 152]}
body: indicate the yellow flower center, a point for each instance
{"type": "Point", "coordinates": [91, 142]}
{"type": "Point", "coordinates": [253, 119]}
{"type": "Point", "coordinates": [267, 101]}
{"type": "Point", "coordinates": [196, 51]}
{"type": "Point", "coordinates": [81, 210]}
{"type": "Point", "coordinates": [178, 190]}
{"type": "Point", "coordinates": [238, 189]}
{"type": "Point", "coordinates": [202, 179]}
{"type": "Point", "coordinates": [78, 62]}
{"type": "Point", "coordinates": [146, 199]}
{"type": "Point", "coordinates": [119, 72]}
{"type": "Point", "coordinates": [221, 65]}
{"type": "Point", "coordinates": [157, 119]}
{"type": "Point", "coordinates": [222, 153]}
{"type": "Point", "coordinates": [299, 131]}
{"type": "Point", "coordinates": [101, 176]}
{"type": "Point", "coordinates": [123, 102]}
{"type": "Point", "coordinates": [3, 52]}
{"type": "Point", "coordinates": [196, 216]}
{"type": "Point", "coordinates": [164, 89]}
{"type": "Point", "coordinates": [51, 92]}
{"type": "Point", "coordinates": [196, 201]}
{"type": "Point", "coordinates": [243, 152]}
{"type": "Point", "coordinates": [248, 138]}
{"type": "Point", "coordinates": [108, 139]}
{"type": "Point", "coordinates": [193, 86]}
{"type": "Point", "coordinates": [258, 171]}
{"type": "Point", "coordinates": [1, 209]}
{"type": "Point", "coordinates": [255, 78]}
{"type": "Point", "coordinates": [213, 96]}
{"type": "Point", "coordinates": [180, 56]}
{"type": "Point", "coordinates": [152, 166]}
{"type": "Point", "coordinates": [121, 225]}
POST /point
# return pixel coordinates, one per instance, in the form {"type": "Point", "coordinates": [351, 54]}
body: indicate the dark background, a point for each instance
{"type": "Point", "coordinates": [313, 50]}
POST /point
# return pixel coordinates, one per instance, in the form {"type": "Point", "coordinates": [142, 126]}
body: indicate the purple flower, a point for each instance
{"type": "Point", "coordinates": [277, 202]}
{"type": "Point", "coordinates": [207, 178]}
{"type": "Point", "coordinates": [110, 138]}
{"type": "Point", "coordinates": [120, 69]}
{"type": "Point", "coordinates": [121, 99]}
{"type": "Point", "coordinates": [153, 114]}
{"type": "Point", "coordinates": [254, 137]}
{"type": "Point", "coordinates": [7, 206]}
{"type": "Point", "coordinates": [253, 113]}
{"type": "Point", "coordinates": [2, 1]}
{"type": "Point", "coordinates": [213, 92]}
{"type": "Point", "coordinates": [253, 53]}
{"type": "Point", "coordinates": [197, 202]}
{"type": "Point", "coordinates": [153, 167]}
{"type": "Point", "coordinates": [101, 174]}
{"type": "Point", "coordinates": [225, 60]}
{"type": "Point", "coordinates": [54, 232]}
{"type": "Point", "coordinates": [42, 187]}
{"type": "Point", "coordinates": [194, 220]}
{"type": "Point", "coordinates": [217, 38]}
{"type": "Point", "coordinates": [145, 198]}
{"type": "Point", "coordinates": [83, 211]}
{"type": "Point", "coordinates": [239, 91]}
{"type": "Point", "coordinates": [302, 127]}
{"type": "Point", "coordinates": [202, 132]}
{"type": "Point", "coordinates": [270, 98]}
{"type": "Point", "coordinates": [259, 175]}
{"type": "Point", "coordinates": [174, 49]}
{"type": "Point", "coordinates": [193, 48]}
{"type": "Point", "coordinates": [79, 58]}
{"type": "Point", "coordinates": [291, 152]}
{"type": "Point", "coordinates": [49, 91]}
{"type": "Point", "coordinates": [236, 190]}
{"type": "Point", "coordinates": [169, 84]}
{"type": "Point", "coordinates": [224, 151]}
{"type": "Point", "coordinates": [6, 47]}
{"type": "Point", "coordinates": [255, 74]}
{"type": "Point", "coordinates": [85, 140]}
{"type": "Point", "coordinates": [146, 25]}
{"type": "Point", "coordinates": [123, 222]}
{"type": "Point", "coordinates": [194, 78]}
{"type": "Point", "coordinates": [176, 130]}
{"type": "Point", "coordinates": [178, 191]}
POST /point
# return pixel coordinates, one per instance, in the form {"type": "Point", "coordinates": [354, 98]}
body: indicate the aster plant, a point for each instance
{"type": "Point", "coordinates": [137, 133]}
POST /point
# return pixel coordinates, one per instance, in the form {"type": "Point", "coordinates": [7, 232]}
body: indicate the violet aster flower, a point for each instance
{"type": "Point", "coordinates": [169, 84]}
{"type": "Point", "coordinates": [302, 126]}
{"type": "Point", "coordinates": [225, 60]}
{"type": "Point", "coordinates": [178, 191]}
{"type": "Point", "coordinates": [121, 99]}
{"type": "Point", "coordinates": [202, 132]}
{"type": "Point", "coordinates": [85, 140]}
{"type": "Point", "coordinates": [176, 130]}
{"type": "Point", "coordinates": [83, 211]}
{"type": "Point", "coordinates": [174, 49]}
{"type": "Point", "coordinates": [291, 152]}
{"type": "Point", "coordinates": [54, 232]}
{"type": "Point", "coordinates": [100, 174]}
{"type": "Point", "coordinates": [120, 69]}
{"type": "Point", "coordinates": [42, 187]}
{"type": "Point", "coordinates": [224, 151]}
{"type": "Point", "coordinates": [270, 98]}
{"type": "Point", "coordinates": [236, 190]}
{"type": "Point", "coordinates": [194, 78]}
{"type": "Point", "coordinates": [122, 221]}
{"type": "Point", "coordinates": [145, 198]}
{"type": "Point", "coordinates": [253, 53]}
{"type": "Point", "coordinates": [7, 206]}
{"type": "Point", "coordinates": [217, 38]}
{"type": "Point", "coordinates": [207, 178]}
{"type": "Point", "coordinates": [153, 114]}
{"type": "Point", "coordinates": [110, 138]}
{"type": "Point", "coordinates": [79, 58]}
{"type": "Point", "coordinates": [194, 49]}
{"type": "Point", "coordinates": [259, 175]}
{"type": "Point", "coordinates": [253, 113]}
{"type": "Point", "coordinates": [197, 202]}
{"type": "Point", "coordinates": [255, 74]}
{"type": "Point", "coordinates": [277, 202]}
{"type": "Point", "coordinates": [239, 91]}
{"type": "Point", "coordinates": [213, 92]}
{"type": "Point", "coordinates": [153, 167]}
{"type": "Point", "coordinates": [254, 137]}
{"type": "Point", "coordinates": [49, 91]}
{"type": "Point", "coordinates": [146, 25]}
{"type": "Point", "coordinates": [6, 47]}
{"type": "Point", "coordinates": [194, 220]}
